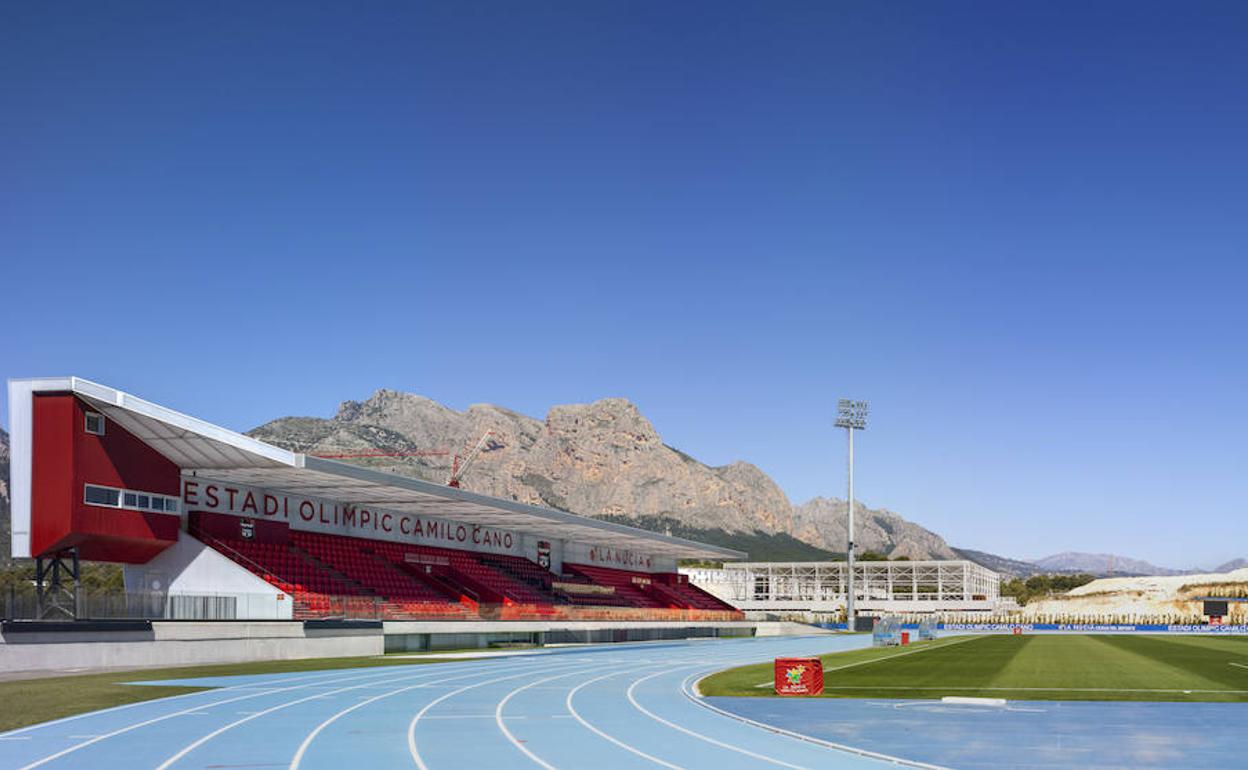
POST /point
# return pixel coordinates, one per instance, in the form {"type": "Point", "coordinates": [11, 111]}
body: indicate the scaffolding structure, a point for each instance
{"type": "Point", "coordinates": [879, 586]}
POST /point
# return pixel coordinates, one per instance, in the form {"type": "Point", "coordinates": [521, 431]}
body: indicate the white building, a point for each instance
{"type": "Point", "coordinates": [903, 587]}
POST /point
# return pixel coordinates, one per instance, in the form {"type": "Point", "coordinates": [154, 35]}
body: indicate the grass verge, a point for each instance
{"type": "Point", "coordinates": [1040, 667]}
{"type": "Point", "coordinates": [756, 680]}
{"type": "Point", "coordinates": [30, 701]}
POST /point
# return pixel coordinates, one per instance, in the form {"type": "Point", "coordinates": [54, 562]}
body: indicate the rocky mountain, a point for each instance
{"type": "Point", "coordinates": [602, 459]}
{"type": "Point", "coordinates": [824, 522]}
{"type": "Point", "coordinates": [1001, 564]}
{"type": "Point", "coordinates": [1102, 564]}
{"type": "Point", "coordinates": [1232, 565]}
{"type": "Point", "coordinates": [5, 545]}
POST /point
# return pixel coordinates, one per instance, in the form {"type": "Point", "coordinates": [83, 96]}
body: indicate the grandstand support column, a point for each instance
{"type": "Point", "coordinates": [57, 596]}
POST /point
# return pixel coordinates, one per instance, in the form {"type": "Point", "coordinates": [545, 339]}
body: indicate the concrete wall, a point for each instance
{"type": "Point", "coordinates": [182, 644]}
{"type": "Point", "coordinates": [787, 628]}
{"type": "Point", "coordinates": [186, 643]}
{"type": "Point", "coordinates": [412, 636]}
{"type": "Point", "coordinates": [191, 567]}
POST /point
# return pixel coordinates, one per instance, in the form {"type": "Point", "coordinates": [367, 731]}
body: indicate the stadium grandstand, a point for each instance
{"type": "Point", "coordinates": [211, 524]}
{"type": "Point", "coordinates": [818, 589]}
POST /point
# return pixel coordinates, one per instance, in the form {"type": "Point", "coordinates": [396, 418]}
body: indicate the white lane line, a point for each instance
{"type": "Point", "coordinates": [278, 679]}
{"type": "Point", "coordinates": [633, 700]}
{"type": "Point", "coordinates": [880, 659]}
{"type": "Point", "coordinates": [204, 739]}
{"type": "Point", "coordinates": [498, 717]}
{"type": "Point", "coordinates": [414, 750]}
{"type": "Point", "coordinates": [572, 709]}
{"type": "Point", "coordinates": [701, 701]}
{"type": "Point", "coordinates": [1022, 689]}
{"type": "Point", "coordinates": [317, 681]}
{"type": "Point", "coordinates": [303, 747]}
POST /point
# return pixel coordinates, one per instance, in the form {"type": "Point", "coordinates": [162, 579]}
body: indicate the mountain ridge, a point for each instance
{"type": "Point", "coordinates": [1104, 564]}
{"type": "Point", "coordinates": [602, 459]}
{"type": "Point", "coordinates": [606, 460]}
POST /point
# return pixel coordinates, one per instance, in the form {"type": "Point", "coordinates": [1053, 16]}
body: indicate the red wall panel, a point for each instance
{"type": "Point", "coordinates": [66, 457]}
{"type": "Point", "coordinates": [52, 471]}
{"type": "Point", "coordinates": [118, 459]}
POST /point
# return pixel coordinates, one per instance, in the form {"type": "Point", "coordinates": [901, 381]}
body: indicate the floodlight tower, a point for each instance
{"type": "Point", "coordinates": [852, 416]}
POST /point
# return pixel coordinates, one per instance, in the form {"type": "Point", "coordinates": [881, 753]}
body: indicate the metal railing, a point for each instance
{"type": "Point", "coordinates": [23, 603]}
{"type": "Point", "coordinates": [309, 606]}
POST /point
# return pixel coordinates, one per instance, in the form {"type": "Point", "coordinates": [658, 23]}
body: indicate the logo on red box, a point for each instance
{"type": "Point", "coordinates": [799, 676]}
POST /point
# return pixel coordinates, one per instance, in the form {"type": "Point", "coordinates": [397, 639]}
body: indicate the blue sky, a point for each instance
{"type": "Point", "coordinates": [1018, 229]}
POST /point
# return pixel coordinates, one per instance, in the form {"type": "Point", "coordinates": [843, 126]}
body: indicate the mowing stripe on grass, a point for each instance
{"type": "Point", "coordinates": [1027, 689]}
{"type": "Point", "coordinates": [951, 642]}
{"type": "Point", "coordinates": [1164, 664]}
{"type": "Point", "coordinates": [977, 663]}
{"type": "Point", "coordinates": [1035, 667]}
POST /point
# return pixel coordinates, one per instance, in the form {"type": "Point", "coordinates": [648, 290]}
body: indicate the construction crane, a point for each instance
{"type": "Point", "coordinates": [460, 466]}
{"type": "Point", "coordinates": [383, 453]}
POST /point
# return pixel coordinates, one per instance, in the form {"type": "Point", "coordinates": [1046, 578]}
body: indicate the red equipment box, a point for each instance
{"type": "Point", "coordinates": [799, 676]}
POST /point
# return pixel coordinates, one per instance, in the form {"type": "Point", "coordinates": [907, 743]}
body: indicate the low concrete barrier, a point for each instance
{"type": "Point", "coordinates": [419, 636]}
{"type": "Point", "coordinates": [26, 647]}
{"type": "Point", "coordinates": [36, 646]}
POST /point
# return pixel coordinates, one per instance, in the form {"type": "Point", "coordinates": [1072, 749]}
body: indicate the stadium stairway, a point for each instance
{"type": "Point", "coordinates": [623, 582]}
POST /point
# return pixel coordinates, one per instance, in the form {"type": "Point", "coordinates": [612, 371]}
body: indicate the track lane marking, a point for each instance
{"type": "Point", "coordinates": [498, 718]}
{"type": "Point", "coordinates": [307, 741]}
{"type": "Point", "coordinates": [572, 709]}
{"type": "Point", "coordinates": [207, 692]}
{"type": "Point", "coordinates": [729, 662]}
{"type": "Point", "coordinates": [414, 750]}
{"type": "Point", "coordinates": [633, 700]}
{"type": "Point", "coordinates": [882, 659]}
{"type": "Point", "coordinates": [318, 696]}
{"type": "Point", "coordinates": [302, 748]}
{"type": "Point", "coordinates": [701, 701]}
{"type": "Point", "coordinates": [162, 718]}
{"type": "Point", "coordinates": [1026, 689]}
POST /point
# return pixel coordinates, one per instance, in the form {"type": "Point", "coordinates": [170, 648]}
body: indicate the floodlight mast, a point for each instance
{"type": "Point", "coordinates": [850, 415]}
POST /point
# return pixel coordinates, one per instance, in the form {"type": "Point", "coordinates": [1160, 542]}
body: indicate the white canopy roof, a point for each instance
{"type": "Point", "coordinates": [220, 454]}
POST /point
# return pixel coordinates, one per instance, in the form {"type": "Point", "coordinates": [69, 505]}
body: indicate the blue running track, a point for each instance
{"type": "Point", "coordinates": [622, 706]}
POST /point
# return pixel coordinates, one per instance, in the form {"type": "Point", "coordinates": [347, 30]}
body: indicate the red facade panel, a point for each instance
{"type": "Point", "coordinates": [66, 458]}
{"type": "Point", "coordinates": [52, 471]}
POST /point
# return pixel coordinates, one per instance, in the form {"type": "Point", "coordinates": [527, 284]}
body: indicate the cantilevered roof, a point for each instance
{"type": "Point", "coordinates": [224, 455]}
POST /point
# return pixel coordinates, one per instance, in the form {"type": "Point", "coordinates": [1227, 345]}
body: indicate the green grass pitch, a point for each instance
{"type": "Point", "coordinates": [1040, 667]}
